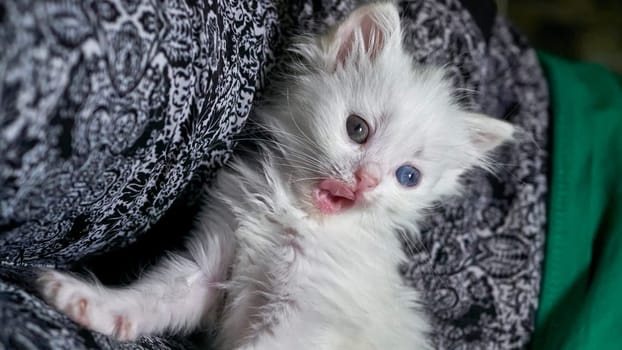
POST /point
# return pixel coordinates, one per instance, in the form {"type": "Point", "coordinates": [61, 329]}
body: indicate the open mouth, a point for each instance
{"type": "Point", "coordinates": [332, 196]}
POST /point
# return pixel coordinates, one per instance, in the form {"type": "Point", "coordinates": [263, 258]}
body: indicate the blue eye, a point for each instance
{"type": "Point", "coordinates": [407, 175]}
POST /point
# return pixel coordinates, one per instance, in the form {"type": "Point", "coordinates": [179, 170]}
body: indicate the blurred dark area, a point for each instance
{"type": "Point", "coordinates": [589, 30]}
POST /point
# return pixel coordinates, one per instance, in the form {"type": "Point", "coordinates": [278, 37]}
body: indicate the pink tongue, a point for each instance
{"type": "Point", "coordinates": [332, 195]}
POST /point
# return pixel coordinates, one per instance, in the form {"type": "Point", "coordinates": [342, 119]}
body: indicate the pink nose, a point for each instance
{"type": "Point", "coordinates": [365, 181]}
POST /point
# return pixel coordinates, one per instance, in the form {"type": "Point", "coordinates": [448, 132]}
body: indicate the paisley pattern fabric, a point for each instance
{"type": "Point", "coordinates": [110, 109]}
{"type": "Point", "coordinates": [113, 110]}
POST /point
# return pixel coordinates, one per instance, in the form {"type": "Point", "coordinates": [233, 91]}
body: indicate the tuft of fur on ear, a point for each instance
{"type": "Point", "coordinates": [484, 135]}
{"type": "Point", "coordinates": [365, 33]}
{"type": "Point", "coordinates": [487, 133]}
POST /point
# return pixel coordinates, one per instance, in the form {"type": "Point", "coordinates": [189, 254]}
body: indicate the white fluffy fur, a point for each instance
{"type": "Point", "coordinates": [294, 278]}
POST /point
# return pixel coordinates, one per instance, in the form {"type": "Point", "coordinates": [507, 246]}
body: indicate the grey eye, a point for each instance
{"type": "Point", "coordinates": [357, 129]}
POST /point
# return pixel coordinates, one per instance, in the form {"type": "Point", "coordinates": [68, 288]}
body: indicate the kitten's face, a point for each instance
{"type": "Point", "coordinates": [364, 130]}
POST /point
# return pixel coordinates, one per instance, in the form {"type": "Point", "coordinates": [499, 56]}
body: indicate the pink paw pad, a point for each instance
{"type": "Point", "coordinates": [122, 328]}
{"type": "Point", "coordinates": [81, 315]}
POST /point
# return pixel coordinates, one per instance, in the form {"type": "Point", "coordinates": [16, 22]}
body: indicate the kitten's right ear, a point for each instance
{"type": "Point", "coordinates": [365, 33]}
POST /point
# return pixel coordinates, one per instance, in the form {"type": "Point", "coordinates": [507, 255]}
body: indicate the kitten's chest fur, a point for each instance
{"type": "Point", "coordinates": [292, 270]}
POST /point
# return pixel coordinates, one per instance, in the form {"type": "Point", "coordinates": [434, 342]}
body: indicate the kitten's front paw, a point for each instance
{"type": "Point", "coordinates": [86, 304]}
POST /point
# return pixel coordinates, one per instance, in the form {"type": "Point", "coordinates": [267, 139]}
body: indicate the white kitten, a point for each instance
{"type": "Point", "coordinates": [297, 248]}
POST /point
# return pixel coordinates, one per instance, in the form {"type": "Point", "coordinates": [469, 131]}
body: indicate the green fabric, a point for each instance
{"type": "Point", "coordinates": [581, 296]}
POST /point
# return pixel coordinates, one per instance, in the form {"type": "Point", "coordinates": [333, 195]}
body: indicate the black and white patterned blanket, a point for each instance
{"type": "Point", "coordinates": [113, 113]}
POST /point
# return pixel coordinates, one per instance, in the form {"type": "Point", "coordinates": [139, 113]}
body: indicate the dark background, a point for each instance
{"type": "Point", "coordinates": [579, 29]}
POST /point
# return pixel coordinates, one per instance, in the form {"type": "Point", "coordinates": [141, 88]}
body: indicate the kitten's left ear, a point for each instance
{"type": "Point", "coordinates": [366, 32]}
{"type": "Point", "coordinates": [487, 133]}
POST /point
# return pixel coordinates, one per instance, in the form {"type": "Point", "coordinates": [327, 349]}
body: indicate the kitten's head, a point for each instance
{"type": "Point", "coordinates": [365, 129]}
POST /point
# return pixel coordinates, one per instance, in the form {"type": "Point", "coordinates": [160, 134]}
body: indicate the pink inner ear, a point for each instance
{"type": "Point", "coordinates": [372, 36]}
